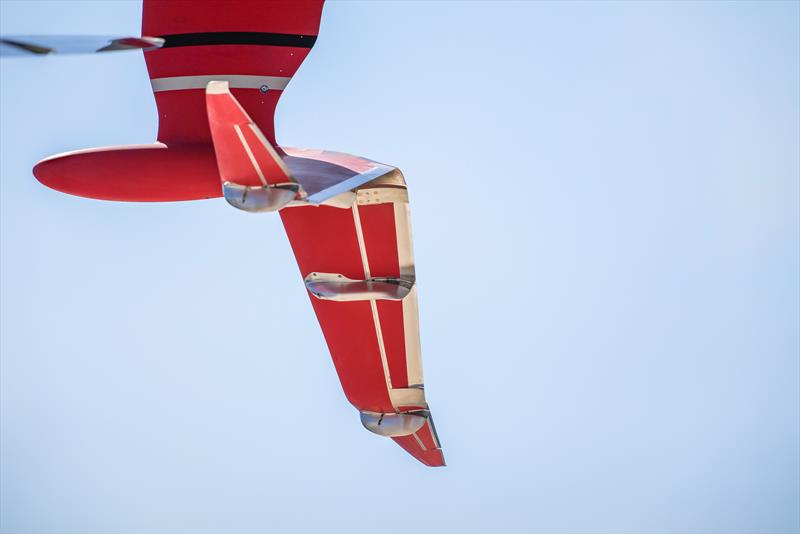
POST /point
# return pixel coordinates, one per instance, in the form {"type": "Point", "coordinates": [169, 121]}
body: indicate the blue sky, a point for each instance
{"type": "Point", "coordinates": [606, 209]}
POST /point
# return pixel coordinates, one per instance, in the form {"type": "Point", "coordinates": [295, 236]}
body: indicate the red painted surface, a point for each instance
{"type": "Point", "coordinates": [225, 115]}
{"type": "Point", "coordinates": [324, 240]}
{"type": "Point", "coordinates": [256, 60]}
{"type": "Point", "coordinates": [353, 344]}
{"type": "Point", "coordinates": [426, 436]}
{"type": "Point", "coordinates": [187, 170]}
{"type": "Point", "coordinates": [155, 173]}
{"type": "Point", "coordinates": [430, 457]}
{"type": "Point", "coordinates": [380, 239]}
{"type": "Point", "coordinates": [160, 17]}
{"type": "Point", "coordinates": [182, 116]}
{"type": "Point", "coordinates": [148, 173]}
{"type": "Point", "coordinates": [391, 316]}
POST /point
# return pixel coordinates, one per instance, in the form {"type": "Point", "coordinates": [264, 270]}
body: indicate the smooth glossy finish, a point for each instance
{"type": "Point", "coordinates": [393, 425]}
{"type": "Point", "coordinates": [258, 199]}
{"type": "Point", "coordinates": [334, 286]}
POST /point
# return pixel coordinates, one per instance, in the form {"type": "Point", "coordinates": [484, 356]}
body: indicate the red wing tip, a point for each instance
{"type": "Point", "coordinates": [414, 444]}
{"type": "Point", "coordinates": [437, 462]}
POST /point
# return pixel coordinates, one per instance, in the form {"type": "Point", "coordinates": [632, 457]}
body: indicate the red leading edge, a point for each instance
{"type": "Point", "coordinates": [216, 81]}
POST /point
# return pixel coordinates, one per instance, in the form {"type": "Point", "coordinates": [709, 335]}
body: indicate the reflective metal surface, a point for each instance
{"type": "Point", "coordinates": [393, 425]}
{"type": "Point", "coordinates": [257, 199]}
{"type": "Point", "coordinates": [350, 183]}
{"type": "Point", "coordinates": [333, 286]}
{"type": "Point", "coordinates": [133, 43]}
{"type": "Point", "coordinates": [24, 45]}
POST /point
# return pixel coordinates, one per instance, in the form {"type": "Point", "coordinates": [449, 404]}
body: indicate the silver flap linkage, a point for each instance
{"type": "Point", "coordinates": [332, 286]}
{"type": "Point", "coordinates": [393, 425]}
{"type": "Point", "coordinates": [256, 199]}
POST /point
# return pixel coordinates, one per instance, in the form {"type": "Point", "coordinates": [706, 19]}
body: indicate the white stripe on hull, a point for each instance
{"type": "Point", "coordinates": [235, 81]}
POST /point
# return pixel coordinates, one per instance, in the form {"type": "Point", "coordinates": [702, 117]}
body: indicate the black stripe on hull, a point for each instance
{"type": "Point", "coordinates": [238, 38]}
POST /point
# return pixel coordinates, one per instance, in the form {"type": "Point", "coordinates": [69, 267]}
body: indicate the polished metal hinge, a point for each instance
{"type": "Point", "coordinates": [333, 286]}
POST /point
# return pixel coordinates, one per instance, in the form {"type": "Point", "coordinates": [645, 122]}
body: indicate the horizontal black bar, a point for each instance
{"type": "Point", "coordinates": [238, 38]}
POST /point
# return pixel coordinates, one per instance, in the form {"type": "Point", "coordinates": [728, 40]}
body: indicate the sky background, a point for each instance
{"type": "Point", "coordinates": [606, 210]}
